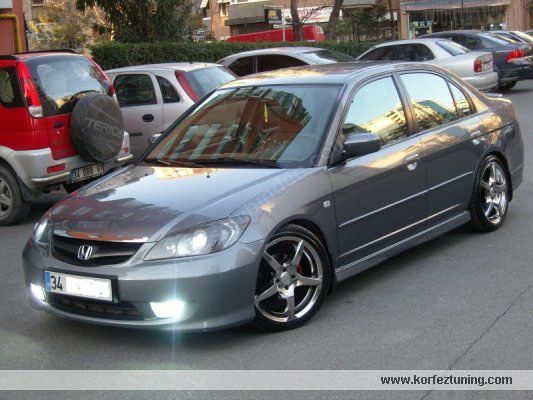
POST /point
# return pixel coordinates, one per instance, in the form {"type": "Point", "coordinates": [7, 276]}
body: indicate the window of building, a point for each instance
{"type": "Point", "coordinates": [272, 62]}
{"type": "Point", "coordinates": [377, 108]}
{"type": "Point", "coordinates": [431, 99]}
{"type": "Point", "coordinates": [135, 90]}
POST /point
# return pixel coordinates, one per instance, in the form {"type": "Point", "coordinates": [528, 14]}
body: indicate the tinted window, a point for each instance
{"type": "Point", "coordinates": [243, 66]}
{"type": "Point", "coordinates": [135, 90]}
{"type": "Point", "coordinates": [10, 96]}
{"type": "Point", "coordinates": [205, 80]}
{"type": "Point", "coordinates": [492, 41]}
{"type": "Point", "coordinates": [167, 91]}
{"type": "Point", "coordinates": [466, 41]}
{"type": "Point", "coordinates": [431, 98]}
{"type": "Point", "coordinates": [327, 57]}
{"type": "Point", "coordinates": [452, 48]}
{"type": "Point", "coordinates": [503, 36]}
{"type": "Point", "coordinates": [377, 108]}
{"type": "Point", "coordinates": [274, 125]}
{"type": "Point", "coordinates": [524, 36]}
{"type": "Point", "coordinates": [413, 52]}
{"type": "Point", "coordinates": [59, 79]}
{"type": "Point", "coordinates": [380, 53]}
{"type": "Point", "coordinates": [463, 106]}
{"type": "Point", "coordinates": [272, 62]}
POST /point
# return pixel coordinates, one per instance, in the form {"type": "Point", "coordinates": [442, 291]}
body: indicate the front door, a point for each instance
{"type": "Point", "coordinates": [380, 198]}
{"type": "Point", "coordinates": [141, 105]}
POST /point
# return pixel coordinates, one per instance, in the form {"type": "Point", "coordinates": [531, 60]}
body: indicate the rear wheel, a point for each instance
{"type": "Point", "coordinates": [504, 87]}
{"type": "Point", "coordinates": [13, 207]}
{"type": "Point", "coordinates": [293, 279]}
{"type": "Point", "coordinates": [490, 199]}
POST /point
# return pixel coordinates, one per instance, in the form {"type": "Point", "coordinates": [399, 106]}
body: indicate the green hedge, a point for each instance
{"type": "Point", "coordinates": [115, 55]}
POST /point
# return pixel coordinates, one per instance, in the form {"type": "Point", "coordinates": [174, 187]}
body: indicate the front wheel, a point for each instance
{"type": "Point", "coordinates": [490, 199]}
{"type": "Point", "coordinates": [293, 279]}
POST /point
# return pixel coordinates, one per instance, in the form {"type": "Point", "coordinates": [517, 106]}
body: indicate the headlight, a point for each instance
{"type": "Point", "coordinates": [42, 231]}
{"type": "Point", "coordinates": [202, 239]}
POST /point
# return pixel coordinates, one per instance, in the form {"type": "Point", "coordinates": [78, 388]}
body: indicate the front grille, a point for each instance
{"type": "Point", "coordinates": [104, 253]}
{"type": "Point", "coordinates": [91, 308]}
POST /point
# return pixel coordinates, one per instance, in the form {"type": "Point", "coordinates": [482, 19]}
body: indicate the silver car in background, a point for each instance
{"type": "Point", "coordinates": [475, 68]}
{"type": "Point", "coordinates": [152, 97]}
{"type": "Point", "coordinates": [264, 60]}
{"type": "Point", "coordinates": [275, 187]}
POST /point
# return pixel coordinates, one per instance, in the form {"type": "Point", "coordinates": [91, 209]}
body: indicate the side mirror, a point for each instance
{"type": "Point", "coordinates": [360, 144]}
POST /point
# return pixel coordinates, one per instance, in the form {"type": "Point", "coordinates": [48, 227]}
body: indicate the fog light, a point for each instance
{"type": "Point", "coordinates": [38, 292]}
{"type": "Point", "coordinates": [168, 309]}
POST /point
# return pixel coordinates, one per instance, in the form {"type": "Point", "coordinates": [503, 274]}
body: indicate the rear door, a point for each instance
{"type": "Point", "coordinates": [141, 103]}
{"type": "Point", "coordinates": [446, 124]}
{"type": "Point", "coordinates": [173, 104]}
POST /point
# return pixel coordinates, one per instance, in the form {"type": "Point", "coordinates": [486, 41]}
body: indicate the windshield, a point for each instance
{"type": "Point", "coordinates": [327, 57]}
{"type": "Point", "coordinates": [205, 80]}
{"type": "Point", "coordinates": [266, 126]}
{"type": "Point", "coordinates": [453, 48]}
{"type": "Point", "coordinates": [59, 79]}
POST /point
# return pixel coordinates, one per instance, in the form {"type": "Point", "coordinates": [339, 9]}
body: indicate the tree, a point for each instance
{"type": "Point", "coordinates": [333, 19]}
{"type": "Point", "coordinates": [391, 20]}
{"type": "Point", "coordinates": [134, 21]}
{"type": "Point", "coordinates": [296, 22]}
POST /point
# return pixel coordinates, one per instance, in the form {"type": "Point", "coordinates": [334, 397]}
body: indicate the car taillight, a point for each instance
{"type": "Point", "coordinates": [478, 65]}
{"type": "Point", "coordinates": [29, 91]}
{"type": "Point", "coordinates": [182, 79]}
{"type": "Point", "coordinates": [518, 53]}
{"type": "Point", "coordinates": [55, 168]}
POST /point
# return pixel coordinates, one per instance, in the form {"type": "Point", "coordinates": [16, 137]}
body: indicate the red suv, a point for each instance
{"type": "Point", "coordinates": [60, 124]}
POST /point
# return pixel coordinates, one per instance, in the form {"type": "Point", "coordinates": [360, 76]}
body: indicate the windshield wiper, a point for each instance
{"type": "Point", "coordinates": [244, 161]}
{"type": "Point", "coordinates": [173, 163]}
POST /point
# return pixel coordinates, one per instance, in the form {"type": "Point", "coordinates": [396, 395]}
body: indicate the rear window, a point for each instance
{"type": "Point", "coordinates": [10, 95]}
{"type": "Point", "coordinates": [524, 36]}
{"type": "Point", "coordinates": [61, 79]}
{"type": "Point", "coordinates": [205, 80]}
{"type": "Point", "coordinates": [327, 57]}
{"type": "Point", "coordinates": [452, 48]}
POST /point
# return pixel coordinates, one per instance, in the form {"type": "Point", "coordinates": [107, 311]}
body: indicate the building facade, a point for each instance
{"type": "Point", "coordinates": [12, 27]}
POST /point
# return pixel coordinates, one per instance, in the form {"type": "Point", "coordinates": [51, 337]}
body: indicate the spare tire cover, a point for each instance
{"type": "Point", "coordinates": [96, 127]}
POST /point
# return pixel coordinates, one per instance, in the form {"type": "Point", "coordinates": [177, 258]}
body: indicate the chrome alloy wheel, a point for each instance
{"type": "Point", "coordinates": [494, 190]}
{"type": "Point", "coordinates": [6, 198]}
{"type": "Point", "coordinates": [290, 279]}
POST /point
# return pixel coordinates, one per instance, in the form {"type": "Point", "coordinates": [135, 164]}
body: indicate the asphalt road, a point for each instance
{"type": "Point", "coordinates": [462, 301]}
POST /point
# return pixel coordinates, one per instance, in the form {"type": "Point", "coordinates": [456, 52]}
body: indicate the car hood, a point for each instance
{"type": "Point", "coordinates": [145, 203]}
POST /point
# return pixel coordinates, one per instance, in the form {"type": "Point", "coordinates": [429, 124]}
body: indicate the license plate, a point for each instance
{"type": "Point", "coordinates": [79, 286]}
{"type": "Point", "coordinates": [84, 173]}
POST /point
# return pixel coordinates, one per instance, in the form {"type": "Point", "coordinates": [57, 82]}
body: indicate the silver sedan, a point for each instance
{"type": "Point", "coordinates": [475, 68]}
{"type": "Point", "coordinates": [273, 189]}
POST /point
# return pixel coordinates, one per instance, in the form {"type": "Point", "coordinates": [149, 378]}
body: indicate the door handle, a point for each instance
{"type": "Point", "coordinates": [412, 161]}
{"type": "Point", "coordinates": [148, 117]}
{"type": "Point", "coordinates": [59, 124]}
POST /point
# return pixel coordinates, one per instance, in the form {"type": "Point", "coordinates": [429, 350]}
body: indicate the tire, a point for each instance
{"type": "Point", "coordinates": [291, 284]}
{"type": "Point", "coordinates": [504, 87]}
{"type": "Point", "coordinates": [13, 207]}
{"type": "Point", "coordinates": [490, 197]}
{"type": "Point", "coordinates": [97, 128]}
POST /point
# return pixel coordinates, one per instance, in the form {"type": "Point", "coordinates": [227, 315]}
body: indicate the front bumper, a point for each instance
{"type": "Point", "coordinates": [484, 81]}
{"type": "Point", "coordinates": [217, 289]}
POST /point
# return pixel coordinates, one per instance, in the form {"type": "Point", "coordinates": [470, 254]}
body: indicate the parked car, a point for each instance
{"type": "Point", "coordinates": [512, 61]}
{"type": "Point", "coordinates": [152, 97]}
{"type": "Point", "coordinates": [515, 36]}
{"type": "Point", "coordinates": [60, 125]}
{"type": "Point", "coordinates": [530, 32]}
{"type": "Point", "coordinates": [475, 68]}
{"type": "Point", "coordinates": [273, 188]}
{"type": "Point", "coordinates": [263, 60]}
{"type": "Point", "coordinates": [311, 33]}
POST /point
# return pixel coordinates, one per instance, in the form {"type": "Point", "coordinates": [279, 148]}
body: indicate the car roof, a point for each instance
{"type": "Point", "coordinates": [336, 74]}
{"type": "Point", "coordinates": [178, 66]}
{"type": "Point", "coordinates": [410, 41]}
{"type": "Point", "coordinates": [44, 53]}
{"type": "Point", "coordinates": [280, 50]}
{"type": "Point", "coordinates": [459, 31]}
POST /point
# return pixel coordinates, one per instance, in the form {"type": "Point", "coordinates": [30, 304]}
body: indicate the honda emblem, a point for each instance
{"type": "Point", "coordinates": [85, 252]}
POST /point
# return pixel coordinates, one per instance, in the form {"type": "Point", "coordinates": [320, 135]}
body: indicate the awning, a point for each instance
{"type": "Point", "coordinates": [246, 13]}
{"type": "Point", "coordinates": [358, 4]}
{"type": "Point", "coordinates": [204, 3]}
{"type": "Point", "coordinates": [415, 5]}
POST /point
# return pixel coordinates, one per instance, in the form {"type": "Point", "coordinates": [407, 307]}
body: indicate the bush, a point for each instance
{"type": "Point", "coordinates": [115, 55]}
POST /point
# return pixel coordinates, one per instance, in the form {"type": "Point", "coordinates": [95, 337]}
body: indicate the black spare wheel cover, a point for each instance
{"type": "Point", "coordinates": [96, 127]}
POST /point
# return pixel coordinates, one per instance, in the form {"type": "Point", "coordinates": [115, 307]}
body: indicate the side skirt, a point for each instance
{"type": "Point", "coordinates": [356, 267]}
